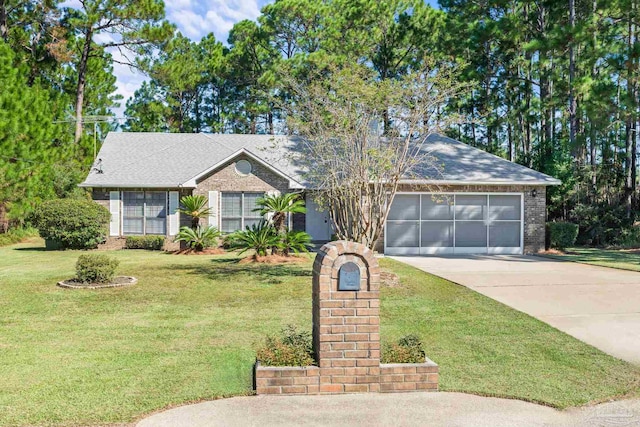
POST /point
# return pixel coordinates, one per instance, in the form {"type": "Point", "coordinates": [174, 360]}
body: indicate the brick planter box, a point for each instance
{"type": "Point", "coordinates": [400, 377]}
{"type": "Point", "coordinates": [286, 379]}
{"type": "Point", "coordinates": [394, 378]}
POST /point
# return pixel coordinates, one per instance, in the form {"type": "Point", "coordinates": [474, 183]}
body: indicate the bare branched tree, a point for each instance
{"type": "Point", "coordinates": [353, 164]}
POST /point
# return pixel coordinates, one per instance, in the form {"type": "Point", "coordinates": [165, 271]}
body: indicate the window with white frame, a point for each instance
{"type": "Point", "coordinates": [144, 212]}
{"type": "Point", "coordinates": [237, 211]}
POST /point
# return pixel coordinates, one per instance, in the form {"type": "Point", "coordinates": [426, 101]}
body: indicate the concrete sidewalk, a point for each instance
{"type": "Point", "coordinates": [598, 305]}
{"type": "Point", "coordinates": [401, 409]}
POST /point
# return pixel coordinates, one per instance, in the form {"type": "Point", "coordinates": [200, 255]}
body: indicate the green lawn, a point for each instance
{"type": "Point", "coordinates": [188, 331]}
{"type": "Point", "coordinates": [626, 259]}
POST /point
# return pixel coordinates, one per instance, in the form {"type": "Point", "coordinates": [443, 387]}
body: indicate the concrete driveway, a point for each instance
{"type": "Point", "coordinates": [598, 305]}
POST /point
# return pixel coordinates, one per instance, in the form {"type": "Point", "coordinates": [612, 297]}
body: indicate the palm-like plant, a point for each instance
{"type": "Point", "coordinates": [260, 238]}
{"type": "Point", "coordinates": [196, 207]}
{"type": "Point", "coordinates": [278, 206]}
{"type": "Point", "coordinates": [199, 238]}
{"type": "Point", "coordinates": [296, 242]}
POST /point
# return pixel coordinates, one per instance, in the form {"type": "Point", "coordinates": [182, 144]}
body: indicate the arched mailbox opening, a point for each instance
{"type": "Point", "coordinates": [349, 277]}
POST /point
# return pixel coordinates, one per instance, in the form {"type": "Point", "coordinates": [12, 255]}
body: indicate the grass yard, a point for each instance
{"type": "Point", "coordinates": [187, 332]}
{"type": "Point", "coordinates": [624, 259]}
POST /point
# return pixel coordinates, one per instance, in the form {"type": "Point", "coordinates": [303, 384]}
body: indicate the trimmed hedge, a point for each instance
{"type": "Point", "coordinates": [72, 223]}
{"type": "Point", "coordinates": [96, 268]}
{"type": "Point", "coordinates": [153, 243]}
{"type": "Point", "coordinates": [562, 234]}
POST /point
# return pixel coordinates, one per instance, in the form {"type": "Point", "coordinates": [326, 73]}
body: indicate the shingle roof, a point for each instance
{"type": "Point", "coordinates": [170, 160]}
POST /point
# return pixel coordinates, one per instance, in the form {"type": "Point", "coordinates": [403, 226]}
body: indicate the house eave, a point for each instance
{"type": "Point", "coordinates": [155, 186]}
{"type": "Point", "coordinates": [457, 182]}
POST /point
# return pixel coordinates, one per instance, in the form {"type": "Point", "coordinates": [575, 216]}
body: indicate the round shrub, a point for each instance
{"type": "Point", "coordinates": [408, 349]}
{"type": "Point", "coordinates": [96, 268]}
{"type": "Point", "coordinates": [72, 223]}
{"type": "Point", "coordinates": [562, 234]}
{"type": "Point", "coordinates": [292, 348]}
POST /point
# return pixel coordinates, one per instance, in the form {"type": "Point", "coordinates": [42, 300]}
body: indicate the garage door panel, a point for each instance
{"type": "Point", "coordinates": [471, 234]}
{"type": "Point", "coordinates": [471, 207]}
{"type": "Point", "coordinates": [405, 207]}
{"type": "Point", "coordinates": [437, 208]}
{"type": "Point", "coordinates": [403, 234]}
{"type": "Point", "coordinates": [504, 234]}
{"type": "Point", "coordinates": [437, 234]}
{"type": "Point", "coordinates": [504, 207]}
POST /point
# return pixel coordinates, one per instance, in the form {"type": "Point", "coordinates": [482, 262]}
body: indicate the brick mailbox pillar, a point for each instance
{"type": "Point", "coordinates": [346, 318]}
{"type": "Point", "coordinates": [346, 334]}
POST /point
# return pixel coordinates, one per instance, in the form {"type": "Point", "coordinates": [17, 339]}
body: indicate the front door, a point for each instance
{"type": "Point", "coordinates": [318, 223]}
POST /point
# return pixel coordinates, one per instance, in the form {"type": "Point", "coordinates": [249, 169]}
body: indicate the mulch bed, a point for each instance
{"type": "Point", "coordinates": [208, 251]}
{"type": "Point", "coordinates": [118, 282]}
{"type": "Point", "coordinates": [389, 280]}
{"type": "Point", "coordinates": [273, 259]}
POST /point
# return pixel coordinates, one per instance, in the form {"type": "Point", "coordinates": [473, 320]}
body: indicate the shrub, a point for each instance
{"type": "Point", "coordinates": [73, 223]}
{"type": "Point", "coordinates": [292, 348]}
{"type": "Point", "coordinates": [562, 234]}
{"type": "Point", "coordinates": [154, 243]}
{"type": "Point", "coordinates": [96, 268]}
{"type": "Point", "coordinates": [296, 242]}
{"type": "Point", "coordinates": [199, 238]}
{"type": "Point", "coordinates": [407, 349]}
{"type": "Point", "coordinates": [260, 238]}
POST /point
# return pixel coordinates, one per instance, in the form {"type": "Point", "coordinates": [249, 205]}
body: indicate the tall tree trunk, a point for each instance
{"type": "Point", "coordinates": [572, 75]}
{"type": "Point", "coordinates": [630, 126]}
{"type": "Point", "coordinates": [4, 26]}
{"type": "Point", "coordinates": [82, 76]}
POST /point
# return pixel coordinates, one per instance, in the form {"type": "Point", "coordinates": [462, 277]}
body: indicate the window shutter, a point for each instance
{"type": "Point", "coordinates": [114, 208]}
{"type": "Point", "coordinates": [213, 209]}
{"type": "Point", "coordinates": [174, 215]}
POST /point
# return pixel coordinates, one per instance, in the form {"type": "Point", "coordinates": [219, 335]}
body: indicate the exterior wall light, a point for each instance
{"type": "Point", "coordinates": [534, 193]}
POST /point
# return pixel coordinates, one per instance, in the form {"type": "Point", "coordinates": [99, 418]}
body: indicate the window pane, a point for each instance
{"type": "Point", "coordinates": [504, 234]}
{"type": "Point", "coordinates": [132, 226]}
{"type": "Point", "coordinates": [156, 226]}
{"type": "Point", "coordinates": [250, 204]}
{"type": "Point", "coordinates": [471, 207]}
{"type": "Point", "coordinates": [437, 234]}
{"type": "Point", "coordinates": [230, 225]}
{"type": "Point", "coordinates": [471, 234]}
{"type": "Point", "coordinates": [133, 204]}
{"type": "Point", "coordinates": [231, 205]}
{"type": "Point", "coordinates": [156, 204]}
{"type": "Point", "coordinates": [405, 207]}
{"type": "Point", "coordinates": [504, 207]}
{"type": "Point", "coordinates": [132, 212]}
{"type": "Point", "coordinates": [438, 207]}
{"type": "Point", "coordinates": [403, 234]}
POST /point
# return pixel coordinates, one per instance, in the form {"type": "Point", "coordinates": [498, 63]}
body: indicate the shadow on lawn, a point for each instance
{"type": "Point", "coordinates": [588, 255]}
{"type": "Point", "coordinates": [225, 269]}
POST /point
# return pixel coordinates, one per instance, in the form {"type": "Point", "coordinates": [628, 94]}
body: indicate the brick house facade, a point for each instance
{"type": "Point", "coordinates": [233, 177]}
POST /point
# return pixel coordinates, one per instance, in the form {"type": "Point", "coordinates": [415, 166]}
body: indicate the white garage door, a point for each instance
{"type": "Point", "coordinates": [460, 223]}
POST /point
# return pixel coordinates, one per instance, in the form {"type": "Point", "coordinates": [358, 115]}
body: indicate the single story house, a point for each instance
{"type": "Point", "coordinates": [483, 203]}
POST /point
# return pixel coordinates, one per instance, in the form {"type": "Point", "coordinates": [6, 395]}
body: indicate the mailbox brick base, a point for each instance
{"type": "Point", "coordinates": [346, 335]}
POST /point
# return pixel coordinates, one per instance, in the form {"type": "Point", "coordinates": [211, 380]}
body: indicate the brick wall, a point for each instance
{"type": "Point", "coordinates": [226, 178]}
{"type": "Point", "coordinates": [535, 208]}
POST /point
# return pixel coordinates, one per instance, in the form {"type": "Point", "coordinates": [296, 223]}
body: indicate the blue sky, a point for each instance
{"type": "Point", "coordinates": [194, 19]}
